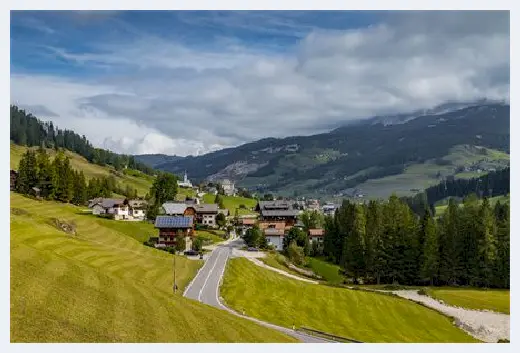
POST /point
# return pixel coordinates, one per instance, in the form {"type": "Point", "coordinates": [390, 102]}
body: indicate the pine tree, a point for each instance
{"type": "Point", "coordinates": [430, 265]}
{"type": "Point", "coordinates": [502, 264]}
{"type": "Point", "coordinates": [412, 251]}
{"type": "Point", "coordinates": [487, 243]}
{"type": "Point", "coordinates": [354, 258]}
{"type": "Point", "coordinates": [448, 250]}
{"type": "Point", "coordinates": [63, 178]}
{"type": "Point", "coordinates": [80, 189]}
{"type": "Point", "coordinates": [22, 182]}
{"type": "Point", "coordinates": [45, 182]}
{"type": "Point", "coordinates": [27, 173]}
{"type": "Point", "coordinates": [469, 243]}
{"type": "Point", "coordinates": [375, 247]}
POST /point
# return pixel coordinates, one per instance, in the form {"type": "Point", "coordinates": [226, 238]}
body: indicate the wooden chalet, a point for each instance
{"type": "Point", "coordinates": [173, 227]}
{"type": "Point", "coordinates": [279, 210]}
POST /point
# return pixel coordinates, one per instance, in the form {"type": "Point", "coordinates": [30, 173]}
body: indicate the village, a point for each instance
{"type": "Point", "coordinates": [182, 218]}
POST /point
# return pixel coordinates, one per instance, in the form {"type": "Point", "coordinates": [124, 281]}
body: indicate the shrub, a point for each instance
{"type": "Point", "coordinates": [180, 244]}
{"type": "Point", "coordinates": [422, 292]}
{"type": "Point", "coordinates": [296, 254]}
{"type": "Point", "coordinates": [197, 244]}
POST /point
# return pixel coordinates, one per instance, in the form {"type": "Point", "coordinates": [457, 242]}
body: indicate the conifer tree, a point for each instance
{"type": "Point", "coordinates": [430, 264]}
{"type": "Point", "coordinates": [468, 242]}
{"type": "Point", "coordinates": [502, 264]}
{"type": "Point", "coordinates": [449, 253]}
{"type": "Point", "coordinates": [45, 174]}
{"type": "Point", "coordinates": [487, 243]}
{"type": "Point", "coordinates": [80, 189]}
{"type": "Point", "coordinates": [27, 173]}
{"type": "Point", "coordinates": [354, 258]}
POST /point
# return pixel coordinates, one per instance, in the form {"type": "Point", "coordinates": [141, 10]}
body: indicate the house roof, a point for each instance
{"type": "Point", "coordinates": [273, 205]}
{"type": "Point", "coordinates": [106, 203]}
{"type": "Point", "coordinates": [206, 208]}
{"type": "Point", "coordinates": [280, 213]}
{"type": "Point", "coordinates": [248, 221]}
{"type": "Point", "coordinates": [174, 208]}
{"type": "Point", "coordinates": [280, 208]}
{"type": "Point", "coordinates": [173, 222]}
{"type": "Point", "coordinates": [92, 202]}
{"type": "Point", "coordinates": [137, 203]}
{"type": "Point", "coordinates": [316, 232]}
{"type": "Point", "coordinates": [277, 225]}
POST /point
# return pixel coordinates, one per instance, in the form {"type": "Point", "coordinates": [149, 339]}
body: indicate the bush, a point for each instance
{"type": "Point", "coordinates": [242, 206]}
{"type": "Point", "coordinates": [148, 243]}
{"type": "Point", "coordinates": [180, 244]}
{"type": "Point", "coordinates": [201, 226]}
{"type": "Point", "coordinates": [296, 254]}
{"type": "Point", "coordinates": [197, 244]}
{"type": "Point", "coordinates": [422, 292]}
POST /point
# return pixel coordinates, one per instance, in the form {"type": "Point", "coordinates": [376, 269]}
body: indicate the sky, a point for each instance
{"type": "Point", "coordinates": [191, 82]}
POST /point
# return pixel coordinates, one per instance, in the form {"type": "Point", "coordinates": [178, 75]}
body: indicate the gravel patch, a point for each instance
{"type": "Point", "coordinates": [487, 326]}
{"type": "Point", "coordinates": [287, 274]}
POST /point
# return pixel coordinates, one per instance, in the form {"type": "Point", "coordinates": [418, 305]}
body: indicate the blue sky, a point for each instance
{"type": "Point", "coordinates": [234, 77]}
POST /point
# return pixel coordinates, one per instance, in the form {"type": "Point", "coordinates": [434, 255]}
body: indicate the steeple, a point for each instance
{"type": "Point", "coordinates": [185, 176]}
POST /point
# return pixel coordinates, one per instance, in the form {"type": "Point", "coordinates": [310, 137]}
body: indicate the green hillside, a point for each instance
{"type": "Point", "coordinates": [355, 314]}
{"type": "Point", "coordinates": [133, 178]}
{"type": "Point", "coordinates": [421, 176]}
{"type": "Point", "coordinates": [103, 285]}
{"type": "Point", "coordinates": [478, 299]}
{"type": "Point", "coordinates": [233, 203]}
{"type": "Point", "coordinates": [440, 208]}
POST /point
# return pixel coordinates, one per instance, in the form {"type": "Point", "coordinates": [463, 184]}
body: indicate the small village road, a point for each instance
{"type": "Point", "coordinates": [205, 288]}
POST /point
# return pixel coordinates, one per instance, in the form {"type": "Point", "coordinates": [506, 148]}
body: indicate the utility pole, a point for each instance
{"type": "Point", "coordinates": [174, 277]}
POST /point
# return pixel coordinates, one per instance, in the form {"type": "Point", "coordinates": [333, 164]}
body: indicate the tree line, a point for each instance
{"type": "Point", "coordinates": [386, 242]}
{"type": "Point", "coordinates": [57, 180]}
{"type": "Point", "coordinates": [495, 183]}
{"type": "Point", "coordinates": [27, 130]}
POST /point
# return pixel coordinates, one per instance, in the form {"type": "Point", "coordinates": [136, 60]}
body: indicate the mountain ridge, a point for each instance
{"type": "Point", "coordinates": [374, 150]}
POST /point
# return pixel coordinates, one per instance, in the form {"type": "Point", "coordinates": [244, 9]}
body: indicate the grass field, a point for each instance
{"type": "Point", "coordinates": [210, 237]}
{"type": "Point", "coordinates": [329, 272]}
{"type": "Point", "coordinates": [103, 285]}
{"type": "Point", "coordinates": [277, 261]}
{"type": "Point", "coordinates": [355, 314]}
{"type": "Point", "coordinates": [232, 203]}
{"type": "Point", "coordinates": [495, 300]}
{"type": "Point", "coordinates": [135, 179]}
{"type": "Point", "coordinates": [420, 176]}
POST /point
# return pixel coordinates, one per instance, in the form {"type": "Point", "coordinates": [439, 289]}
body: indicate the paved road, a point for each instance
{"type": "Point", "coordinates": [205, 288]}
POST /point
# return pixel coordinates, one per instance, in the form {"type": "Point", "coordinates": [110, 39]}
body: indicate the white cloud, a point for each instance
{"type": "Point", "coordinates": [180, 100]}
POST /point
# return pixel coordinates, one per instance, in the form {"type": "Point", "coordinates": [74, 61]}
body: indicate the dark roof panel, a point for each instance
{"type": "Point", "coordinates": [173, 222]}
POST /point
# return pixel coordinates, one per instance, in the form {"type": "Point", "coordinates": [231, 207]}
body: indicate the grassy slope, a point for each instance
{"type": "Point", "coordinates": [440, 209]}
{"type": "Point", "coordinates": [368, 317]}
{"type": "Point", "coordinates": [496, 300]}
{"type": "Point", "coordinates": [420, 176]}
{"type": "Point", "coordinates": [102, 285]}
{"type": "Point", "coordinates": [232, 203]}
{"type": "Point", "coordinates": [277, 261]}
{"type": "Point", "coordinates": [211, 238]}
{"type": "Point", "coordinates": [329, 272]}
{"type": "Point", "coordinates": [138, 181]}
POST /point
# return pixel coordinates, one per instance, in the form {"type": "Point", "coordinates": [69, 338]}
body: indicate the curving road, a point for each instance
{"type": "Point", "coordinates": [205, 288]}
